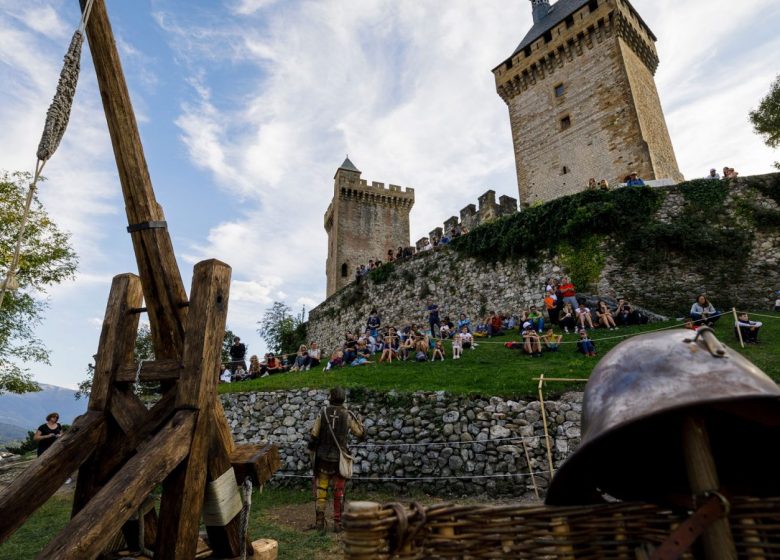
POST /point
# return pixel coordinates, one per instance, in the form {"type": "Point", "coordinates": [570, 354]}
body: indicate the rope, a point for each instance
{"type": "Point", "coordinates": [425, 444]}
{"type": "Point", "coordinates": [391, 478]}
{"type": "Point", "coordinates": [246, 491]}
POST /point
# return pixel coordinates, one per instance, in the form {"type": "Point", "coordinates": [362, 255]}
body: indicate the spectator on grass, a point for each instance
{"type": "Point", "coordinates": [438, 351]}
{"type": "Point", "coordinates": [592, 184]}
{"type": "Point", "coordinates": [703, 312]}
{"type": "Point", "coordinates": [457, 346]}
{"type": "Point", "coordinates": [634, 180]}
{"type": "Point", "coordinates": [237, 353]}
{"type": "Point", "coordinates": [350, 348]}
{"type": "Point", "coordinates": [374, 322]}
{"type": "Point", "coordinates": [749, 329]}
{"type": "Point", "coordinates": [336, 360]}
{"type": "Point", "coordinates": [315, 354]}
{"type": "Point", "coordinates": [240, 373]}
{"type": "Point", "coordinates": [363, 355]}
{"type": "Point", "coordinates": [568, 292]}
{"type": "Point", "coordinates": [447, 328]}
{"type": "Point", "coordinates": [463, 321]}
{"type": "Point", "coordinates": [407, 348]}
{"type": "Point", "coordinates": [552, 341]}
{"type": "Point", "coordinates": [255, 369]}
{"type": "Point", "coordinates": [274, 365]}
{"type": "Point", "coordinates": [584, 317]}
{"type": "Point", "coordinates": [603, 185]}
{"type": "Point", "coordinates": [585, 345]}
{"type": "Point", "coordinates": [302, 361]}
{"type": "Point", "coordinates": [433, 316]}
{"type": "Point", "coordinates": [567, 319]}
{"type": "Point", "coordinates": [551, 305]}
{"type": "Point", "coordinates": [532, 343]}
{"type": "Point", "coordinates": [604, 316]}
{"type": "Point", "coordinates": [48, 432]}
{"type": "Point", "coordinates": [466, 338]}
{"type": "Point", "coordinates": [390, 348]}
{"type": "Point", "coordinates": [225, 375]}
{"type": "Point", "coordinates": [535, 317]}
{"type": "Point", "coordinates": [390, 256]}
{"type": "Point", "coordinates": [494, 324]}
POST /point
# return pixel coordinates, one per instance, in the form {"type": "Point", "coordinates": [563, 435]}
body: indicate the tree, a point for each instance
{"type": "Point", "coordinates": [283, 332]}
{"type": "Point", "coordinates": [766, 119]}
{"type": "Point", "coordinates": [46, 259]}
{"type": "Point", "coordinates": [227, 342]}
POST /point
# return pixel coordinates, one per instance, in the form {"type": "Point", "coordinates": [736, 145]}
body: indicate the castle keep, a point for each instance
{"type": "Point", "coordinates": [582, 99]}
{"type": "Point", "coordinates": [363, 221]}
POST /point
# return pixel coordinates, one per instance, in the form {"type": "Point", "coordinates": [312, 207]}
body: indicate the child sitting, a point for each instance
{"type": "Point", "coordinates": [363, 355]}
{"type": "Point", "coordinates": [438, 351]}
{"type": "Point", "coordinates": [748, 328]}
{"type": "Point", "coordinates": [457, 346]}
{"type": "Point", "coordinates": [466, 338]}
{"type": "Point", "coordinates": [552, 341]}
{"type": "Point", "coordinates": [532, 344]}
{"type": "Point", "coordinates": [391, 346]}
{"type": "Point", "coordinates": [336, 360]}
{"type": "Point", "coordinates": [585, 345]}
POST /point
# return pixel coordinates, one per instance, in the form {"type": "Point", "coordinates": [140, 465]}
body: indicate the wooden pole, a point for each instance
{"type": "Point", "coordinates": [544, 423]}
{"type": "Point", "coordinates": [736, 326]}
{"type": "Point", "coordinates": [530, 470]}
{"type": "Point", "coordinates": [92, 529]}
{"type": "Point", "coordinates": [47, 473]}
{"type": "Point", "coordinates": [162, 284]}
{"type": "Point", "coordinates": [182, 500]}
{"type": "Point", "coordinates": [703, 477]}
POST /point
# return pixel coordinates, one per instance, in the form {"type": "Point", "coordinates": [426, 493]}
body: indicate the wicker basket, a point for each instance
{"type": "Point", "coordinates": [614, 531]}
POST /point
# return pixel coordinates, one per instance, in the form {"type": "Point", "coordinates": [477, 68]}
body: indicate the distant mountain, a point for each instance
{"type": "Point", "coordinates": [28, 411]}
{"type": "Point", "coordinates": [9, 432]}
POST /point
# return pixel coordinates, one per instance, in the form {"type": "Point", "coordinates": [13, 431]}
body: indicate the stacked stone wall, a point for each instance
{"type": "Point", "coordinates": [424, 441]}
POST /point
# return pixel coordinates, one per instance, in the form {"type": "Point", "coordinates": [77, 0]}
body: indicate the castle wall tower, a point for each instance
{"type": "Point", "coordinates": [363, 222]}
{"type": "Point", "coordinates": [582, 99]}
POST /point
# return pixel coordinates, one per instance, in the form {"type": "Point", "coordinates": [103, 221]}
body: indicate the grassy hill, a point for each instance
{"type": "Point", "coordinates": [491, 369]}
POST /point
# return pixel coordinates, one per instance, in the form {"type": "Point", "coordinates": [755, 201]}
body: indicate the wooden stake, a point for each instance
{"type": "Point", "coordinates": [92, 529]}
{"type": "Point", "coordinates": [736, 326]}
{"type": "Point", "coordinates": [530, 470]}
{"type": "Point", "coordinates": [544, 423]}
{"type": "Point", "coordinates": [182, 500]}
{"type": "Point", "coordinates": [703, 477]}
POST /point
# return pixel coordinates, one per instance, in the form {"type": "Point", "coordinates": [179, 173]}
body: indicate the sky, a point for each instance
{"type": "Point", "coordinates": [247, 107]}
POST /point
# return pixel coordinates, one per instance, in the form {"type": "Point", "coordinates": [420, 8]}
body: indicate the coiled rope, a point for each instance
{"type": "Point", "coordinates": [246, 490]}
{"type": "Point", "coordinates": [57, 118]}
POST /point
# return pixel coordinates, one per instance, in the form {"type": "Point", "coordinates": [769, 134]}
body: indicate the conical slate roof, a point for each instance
{"type": "Point", "coordinates": [349, 166]}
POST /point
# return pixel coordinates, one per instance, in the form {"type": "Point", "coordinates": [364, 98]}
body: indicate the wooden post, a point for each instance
{"type": "Point", "coordinates": [182, 500]}
{"type": "Point", "coordinates": [92, 529]}
{"type": "Point", "coordinates": [544, 423]}
{"type": "Point", "coordinates": [117, 341]}
{"type": "Point", "coordinates": [162, 285]}
{"type": "Point", "coordinates": [739, 331]}
{"type": "Point", "coordinates": [703, 477]}
{"type": "Point", "coordinates": [47, 473]}
{"type": "Point", "coordinates": [530, 469]}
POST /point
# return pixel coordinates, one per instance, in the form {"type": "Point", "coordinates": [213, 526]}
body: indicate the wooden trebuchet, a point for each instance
{"type": "Point", "coordinates": [92, 529]}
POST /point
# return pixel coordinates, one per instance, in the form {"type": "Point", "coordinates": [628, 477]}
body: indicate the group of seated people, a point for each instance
{"type": "Point", "coordinates": [704, 313]}
{"type": "Point", "coordinates": [728, 173]}
{"type": "Point", "coordinates": [306, 358]}
{"type": "Point", "coordinates": [401, 254]}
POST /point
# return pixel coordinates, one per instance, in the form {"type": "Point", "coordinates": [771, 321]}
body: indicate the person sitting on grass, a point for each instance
{"type": "Point", "coordinates": [567, 318]}
{"type": "Point", "coordinates": [552, 341]}
{"type": "Point", "coordinates": [585, 345]}
{"type": "Point", "coordinates": [255, 370]}
{"type": "Point", "coordinates": [703, 312]}
{"type": "Point", "coordinates": [447, 328]}
{"type": "Point", "coordinates": [273, 365]}
{"type": "Point", "coordinates": [583, 316]}
{"type": "Point", "coordinates": [467, 339]}
{"type": "Point", "coordinates": [406, 348]}
{"type": "Point", "coordinates": [481, 329]}
{"type": "Point", "coordinates": [495, 323]}
{"type": "Point", "coordinates": [336, 360]}
{"type": "Point", "coordinates": [390, 350]}
{"type": "Point", "coordinates": [350, 348]}
{"type": "Point", "coordinates": [225, 375]}
{"type": "Point", "coordinates": [535, 317]}
{"type": "Point", "coordinates": [551, 304]}
{"type": "Point", "coordinates": [604, 316]}
{"type": "Point", "coordinates": [532, 344]}
{"type": "Point", "coordinates": [748, 328]}
{"type": "Point", "coordinates": [457, 346]}
{"type": "Point", "coordinates": [314, 355]}
{"type": "Point", "coordinates": [363, 355]}
{"type": "Point", "coordinates": [464, 322]}
{"type": "Point", "coordinates": [301, 359]}
{"type": "Point", "coordinates": [240, 374]}
{"type": "Point", "coordinates": [438, 351]}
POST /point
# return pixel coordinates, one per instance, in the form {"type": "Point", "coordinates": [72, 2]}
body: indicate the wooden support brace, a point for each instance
{"type": "Point", "coordinates": [183, 491]}
{"type": "Point", "coordinates": [92, 529]}
{"type": "Point", "coordinates": [46, 474]}
{"type": "Point", "coordinates": [258, 461]}
{"type": "Point", "coordinates": [159, 370]}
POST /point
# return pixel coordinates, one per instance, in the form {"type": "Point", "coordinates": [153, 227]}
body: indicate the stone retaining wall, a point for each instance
{"type": "Point", "coordinates": [457, 445]}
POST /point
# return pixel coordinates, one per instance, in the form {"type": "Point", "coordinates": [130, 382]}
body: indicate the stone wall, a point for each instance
{"type": "Point", "coordinates": [434, 442]}
{"type": "Point", "coordinates": [460, 284]}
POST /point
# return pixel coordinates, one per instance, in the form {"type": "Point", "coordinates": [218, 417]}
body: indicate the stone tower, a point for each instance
{"type": "Point", "coordinates": [363, 222]}
{"type": "Point", "coordinates": [582, 99]}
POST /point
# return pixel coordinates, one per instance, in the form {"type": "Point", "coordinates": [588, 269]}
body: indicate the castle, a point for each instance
{"type": "Point", "coordinates": [582, 99]}
{"type": "Point", "coordinates": [363, 222]}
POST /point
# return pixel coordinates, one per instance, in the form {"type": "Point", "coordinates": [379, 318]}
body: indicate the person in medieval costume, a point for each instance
{"type": "Point", "coordinates": [329, 442]}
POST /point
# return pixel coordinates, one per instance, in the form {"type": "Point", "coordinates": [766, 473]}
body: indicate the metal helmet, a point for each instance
{"type": "Point", "coordinates": [632, 416]}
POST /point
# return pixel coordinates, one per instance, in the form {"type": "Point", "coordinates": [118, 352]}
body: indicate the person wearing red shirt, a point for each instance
{"type": "Point", "coordinates": [568, 292]}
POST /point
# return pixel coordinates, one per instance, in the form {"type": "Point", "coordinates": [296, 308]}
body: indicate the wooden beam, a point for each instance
{"type": "Point", "coordinates": [162, 284]}
{"type": "Point", "coordinates": [183, 491]}
{"type": "Point", "coordinates": [258, 461]}
{"type": "Point", "coordinates": [159, 370]}
{"type": "Point", "coordinates": [48, 472]}
{"type": "Point", "coordinates": [90, 531]}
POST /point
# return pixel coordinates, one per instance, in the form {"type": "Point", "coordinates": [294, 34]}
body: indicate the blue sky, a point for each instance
{"type": "Point", "coordinates": [247, 107]}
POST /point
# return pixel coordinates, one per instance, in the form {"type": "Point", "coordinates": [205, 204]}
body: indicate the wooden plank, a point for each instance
{"type": "Point", "coordinates": [48, 472]}
{"type": "Point", "coordinates": [162, 284]}
{"type": "Point", "coordinates": [259, 461]}
{"type": "Point", "coordinates": [127, 409]}
{"type": "Point", "coordinates": [90, 531]}
{"type": "Point", "coordinates": [158, 370]}
{"type": "Point", "coordinates": [183, 492]}
{"type": "Point", "coordinates": [117, 337]}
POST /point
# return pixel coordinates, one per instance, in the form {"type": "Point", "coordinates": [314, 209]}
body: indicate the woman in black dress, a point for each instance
{"type": "Point", "coordinates": [48, 433]}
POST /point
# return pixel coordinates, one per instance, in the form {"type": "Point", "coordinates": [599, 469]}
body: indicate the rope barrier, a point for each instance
{"type": "Point", "coordinates": [279, 474]}
{"type": "Point", "coordinates": [423, 444]}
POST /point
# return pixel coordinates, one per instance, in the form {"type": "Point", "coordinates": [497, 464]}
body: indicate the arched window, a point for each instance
{"type": "Point", "coordinates": [344, 270]}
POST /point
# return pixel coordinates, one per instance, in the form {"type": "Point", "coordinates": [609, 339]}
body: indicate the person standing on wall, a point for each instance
{"type": "Point", "coordinates": [47, 433]}
{"type": "Point", "coordinates": [330, 452]}
{"type": "Point", "coordinates": [237, 353]}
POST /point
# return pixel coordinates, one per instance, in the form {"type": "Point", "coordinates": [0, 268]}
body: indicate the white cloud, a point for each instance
{"type": "Point", "coordinates": [246, 7]}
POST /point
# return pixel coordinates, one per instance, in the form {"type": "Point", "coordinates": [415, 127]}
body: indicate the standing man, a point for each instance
{"type": "Point", "coordinates": [433, 317]}
{"type": "Point", "coordinates": [237, 354]}
{"type": "Point", "coordinates": [329, 438]}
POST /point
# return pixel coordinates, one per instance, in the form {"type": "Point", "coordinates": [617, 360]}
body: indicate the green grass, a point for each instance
{"type": "Point", "coordinates": [492, 369]}
{"type": "Point", "coordinates": [42, 526]}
